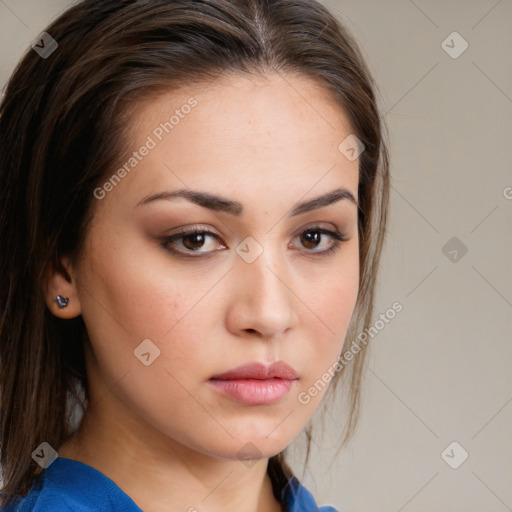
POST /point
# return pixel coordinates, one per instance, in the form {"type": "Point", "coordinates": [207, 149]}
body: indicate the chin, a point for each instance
{"type": "Point", "coordinates": [246, 447]}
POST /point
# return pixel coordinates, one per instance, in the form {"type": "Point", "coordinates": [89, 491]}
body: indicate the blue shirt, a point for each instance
{"type": "Point", "coordinates": [69, 485]}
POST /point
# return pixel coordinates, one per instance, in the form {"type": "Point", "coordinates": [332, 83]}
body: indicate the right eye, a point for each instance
{"type": "Point", "coordinates": [191, 240]}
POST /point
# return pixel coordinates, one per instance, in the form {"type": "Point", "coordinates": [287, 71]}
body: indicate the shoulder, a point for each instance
{"type": "Point", "coordinates": [298, 499]}
{"type": "Point", "coordinates": [41, 498]}
{"type": "Point", "coordinates": [68, 485]}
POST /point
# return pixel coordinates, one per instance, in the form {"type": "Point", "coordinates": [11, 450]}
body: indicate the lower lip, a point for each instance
{"type": "Point", "coordinates": [253, 391]}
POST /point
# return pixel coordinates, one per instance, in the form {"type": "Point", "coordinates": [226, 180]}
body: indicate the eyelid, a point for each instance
{"type": "Point", "coordinates": [196, 228]}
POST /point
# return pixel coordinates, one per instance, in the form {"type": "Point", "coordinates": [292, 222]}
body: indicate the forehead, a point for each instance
{"type": "Point", "coordinates": [262, 102]}
{"type": "Point", "coordinates": [250, 134]}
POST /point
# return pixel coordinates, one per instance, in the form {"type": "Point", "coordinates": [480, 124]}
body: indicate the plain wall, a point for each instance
{"type": "Point", "coordinates": [440, 371]}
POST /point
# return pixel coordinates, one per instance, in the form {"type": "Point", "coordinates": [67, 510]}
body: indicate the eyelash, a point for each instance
{"type": "Point", "coordinates": [338, 239]}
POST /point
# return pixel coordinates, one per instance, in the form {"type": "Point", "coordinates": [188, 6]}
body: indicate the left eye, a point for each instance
{"type": "Point", "coordinates": [194, 239]}
{"type": "Point", "coordinates": [313, 236]}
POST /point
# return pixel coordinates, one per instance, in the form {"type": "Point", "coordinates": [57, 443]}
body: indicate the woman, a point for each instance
{"type": "Point", "coordinates": [193, 208]}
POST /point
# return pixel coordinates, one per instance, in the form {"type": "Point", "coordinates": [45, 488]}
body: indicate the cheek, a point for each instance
{"type": "Point", "coordinates": [332, 293]}
{"type": "Point", "coordinates": [136, 287]}
{"type": "Point", "coordinates": [331, 306]}
{"type": "Point", "coordinates": [135, 300]}
{"type": "Point", "coordinates": [328, 331]}
{"type": "Point", "coordinates": [137, 296]}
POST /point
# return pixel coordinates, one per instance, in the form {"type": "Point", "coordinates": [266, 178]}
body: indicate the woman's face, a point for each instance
{"type": "Point", "coordinates": [164, 318]}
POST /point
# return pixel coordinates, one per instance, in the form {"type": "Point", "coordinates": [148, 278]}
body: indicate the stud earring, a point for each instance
{"type": "Point", "coordinates": [61, 301]}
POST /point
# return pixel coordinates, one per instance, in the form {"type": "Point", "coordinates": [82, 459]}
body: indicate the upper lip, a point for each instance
{"type": "Point", "coordinates": [257, 370]}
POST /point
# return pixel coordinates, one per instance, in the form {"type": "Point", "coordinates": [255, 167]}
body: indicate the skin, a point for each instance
{"type": "Point", "coordinates": [160, 431]}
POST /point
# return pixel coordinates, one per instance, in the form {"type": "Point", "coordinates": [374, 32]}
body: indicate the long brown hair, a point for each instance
{"type": "Point", "coordinates": [62, 132]}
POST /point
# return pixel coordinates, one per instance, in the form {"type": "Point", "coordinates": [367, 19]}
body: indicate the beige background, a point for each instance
{"type": "Point", "coordinates": [440, 371]}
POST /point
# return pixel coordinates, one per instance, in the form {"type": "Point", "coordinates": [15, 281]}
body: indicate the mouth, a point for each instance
{"type": "Point", "coordinates": [255, 383]}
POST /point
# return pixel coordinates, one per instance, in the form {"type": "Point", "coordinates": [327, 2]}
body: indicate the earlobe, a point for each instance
{"type": "Point", "coordinates": [61, 301]}
{"type": "Point", "coordinates": [61, 291]}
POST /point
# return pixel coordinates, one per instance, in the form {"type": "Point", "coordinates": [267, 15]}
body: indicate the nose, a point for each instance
{"type": "Point", "coordinates": [263, 299]}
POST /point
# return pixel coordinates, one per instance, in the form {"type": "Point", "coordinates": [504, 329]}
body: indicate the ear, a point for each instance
{"type": "Point", "coordinates": [58, 281]}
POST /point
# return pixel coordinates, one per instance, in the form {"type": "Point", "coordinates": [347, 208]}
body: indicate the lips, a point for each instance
{"type": "Point", "coordinates": [255, 383]}
{"type": "Point", "coordinates": [278, 369]}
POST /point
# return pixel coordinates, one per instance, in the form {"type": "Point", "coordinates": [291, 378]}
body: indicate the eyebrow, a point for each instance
{"type": "Point", "coordinates": [222, 204]}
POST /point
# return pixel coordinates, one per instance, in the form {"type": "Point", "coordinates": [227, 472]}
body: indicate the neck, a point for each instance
{"type": "Point", "coordinates": [163, 475]}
